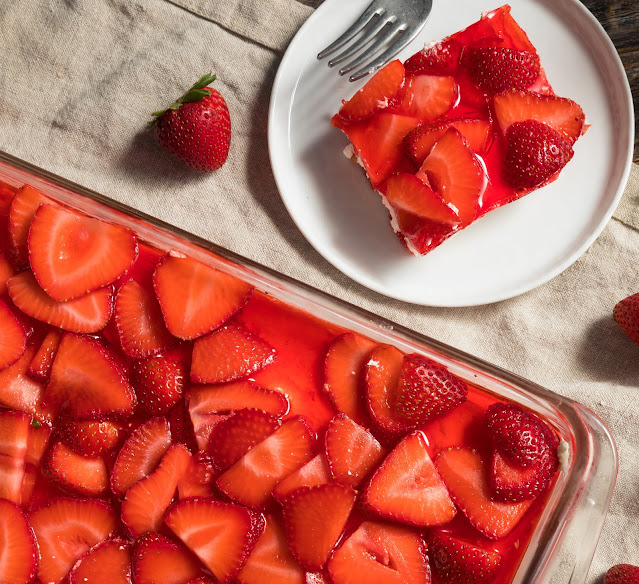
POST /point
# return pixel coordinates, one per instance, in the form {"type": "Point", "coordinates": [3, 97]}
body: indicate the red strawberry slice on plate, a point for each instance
{"type": "Point", "coordinates": [229, 353]}
{"type": "Point", "coordinates": [315, 472]}
{"type": "Point", "coordinates": [380, 553]}
{"type": "Point", "coordinates": [466, 476]}
{"type": "Point", "coordinates": [406, 487]}
{"type": "Point", "coordinates": [626, 315]}
{"type": "Point", "coordinates": [535, 153]}
{"type": "Point", "coordinates": [375, 95]}
{"type": "Point", "coordinates": [23, 206]}
{"type": "Point", "coordinates": [157, 558]}
{"type": "Point", "coordinates": [66, 529]}
{"type": "Point", "coordinates": [14, 438]}
{"type": "Point", "coordinates": [18, 549]}
{"type": "Point", "coordinates": [159, 382]}
{"type": "Point", "coordinates": [222, 535]}
{"type": "Point", "coordinates": [420, 141]}
{"type": "Point", "coordinates": [40, 366]}
{"type": "Point", "coordinates": [19, 391]}
{"type": "Point", "coordinates": [351, 450]}
{"type": "Point", "coordinates": [271, 561]}
{"type": "Point", "coordinates": [233, 437]}
{"type": "Point", "coordinates": [72, 254]}
{"type": "Point", "coordinates": [439, 59]}
{"type": "Point", "coordinates": [453, 172]}
{"type": "Point", "coordinates": [455, 560]}
{"type": "Point", "coordinates": [427, 389]}
{"type": "Point", "coordinates": [87, 380]}
{"type": "Point", "coordinates": [406, 193]}
{"type": "Point", "coordinates": [107, 563]}
{"type": "Point", "coordinates": [13, 339]}
{"type": "Point", "coordinates": [146, 501]}
{"type": "Point", "coordinates": [195, 298]}
{"type": "Point", "coordinates": [90, 437]}
{"type": "Point", "coordinates": [315, 518]}
{"type": "Point", "coordinates": [251, 479]}
{"type": "Point", "coordinates": [497, 69]}
{"type": "Point", "coordinates": [139, 322]}
{"type": "Point", "coordinates": [140, 454]}
{"type": "Point", "coordinates": [343, 373]}
{"type": "Point", "coordinates": [87, 314]}
{"type": "Point", "coordinates": [426, 97]}
{"type": "Point", "coordinates": [560, 113]}
{"type": "Point", "coordinates": [76, 473]}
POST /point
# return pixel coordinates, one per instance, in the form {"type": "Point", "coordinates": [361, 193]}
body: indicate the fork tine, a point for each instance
{"type": "Point", "coordinates": [371, 10]}
{"type": "Point", "coordinates": [369, 53]}
{"type": "Point", "coordinates": [382, 59]}
{"type": "Point", "coordinates": [362, 41]}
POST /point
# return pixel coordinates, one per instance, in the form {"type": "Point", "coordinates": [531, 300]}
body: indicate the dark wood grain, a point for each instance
{"type": "Point", "coordinates": [620, 19]}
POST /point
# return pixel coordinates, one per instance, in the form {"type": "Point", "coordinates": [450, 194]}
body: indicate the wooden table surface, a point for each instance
{"type": "Point", "coordinates": [620, 18]}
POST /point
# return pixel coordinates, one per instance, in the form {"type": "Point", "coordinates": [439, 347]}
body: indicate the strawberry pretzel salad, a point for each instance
{"type": "Point", "coordinates": [459, 129]}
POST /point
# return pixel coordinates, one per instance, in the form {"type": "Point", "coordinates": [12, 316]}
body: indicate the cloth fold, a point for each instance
{"type": "Point", "coordinates": [78, 82]}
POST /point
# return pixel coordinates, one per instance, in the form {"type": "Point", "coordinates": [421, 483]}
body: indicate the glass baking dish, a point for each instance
{"type": "Point", "coordinates": [579, 499]}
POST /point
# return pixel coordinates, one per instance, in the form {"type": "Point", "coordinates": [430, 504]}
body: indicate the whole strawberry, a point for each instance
{"type": "Point", "coordinates": [622, 574]}
{"type": "Point", "coordinates": [626, 315]}
{"type": "Point", "coordinates": [197, 127]}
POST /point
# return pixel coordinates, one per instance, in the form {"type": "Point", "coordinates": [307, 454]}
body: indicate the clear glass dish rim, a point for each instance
{"type": "Point", "coordinates": [589, 437]}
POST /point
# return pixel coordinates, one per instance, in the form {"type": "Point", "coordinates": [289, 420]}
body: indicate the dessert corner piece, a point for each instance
{"type": "Point", "coordinates": [464, 126]}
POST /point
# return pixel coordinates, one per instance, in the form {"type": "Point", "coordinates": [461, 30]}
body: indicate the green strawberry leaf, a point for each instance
{"type": "Point", "coordinates": [195, 93]}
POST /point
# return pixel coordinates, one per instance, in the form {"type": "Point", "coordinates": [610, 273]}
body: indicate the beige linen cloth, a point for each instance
{"type": "Point", "coordinates": [78, 79]}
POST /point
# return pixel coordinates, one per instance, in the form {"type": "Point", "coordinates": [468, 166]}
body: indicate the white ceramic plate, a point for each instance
{"type": "Point", "coordinates": [510, 250]}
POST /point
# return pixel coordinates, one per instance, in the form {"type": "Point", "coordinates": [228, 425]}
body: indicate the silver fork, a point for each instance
{"type": "Point", "coordinates": [386, 20]}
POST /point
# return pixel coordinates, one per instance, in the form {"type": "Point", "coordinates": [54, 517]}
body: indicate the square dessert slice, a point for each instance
{"type": "Point", "coordinates": [462, 127]}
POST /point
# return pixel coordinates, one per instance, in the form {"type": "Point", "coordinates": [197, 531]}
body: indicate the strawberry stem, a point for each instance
{"type": "Point", "coordinates": [196, 92]}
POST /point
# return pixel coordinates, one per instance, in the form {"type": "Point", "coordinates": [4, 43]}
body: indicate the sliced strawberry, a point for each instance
{"type": "Point", "coordinates": [23, 206]}
{"type": "Point", "coordinates": [375, 95]}
{"type": "Point", "coordinates": [72, 254]}
{"type": "Point", "coordinates": [408, 194]}
{"type": "Point", "coordinates": [86, 314]}
{"type": "Point", "coordinates": [233, 437]}
{"type": "Point", "coordinates": [198, 477]}
{"type": "Point", "coordinates": [181, 426]}
{"type": "Point", "coordinates": [13, 339]}
{"type": "Point", "coordinates": [453, 171]}
{"type": "Point", "coordinates": [406, 487]}
{"type": "Point", "coordinates": [140, 454]}
{"type": "Point", "coordinates": [379, 142]}
{"type": "Point", "coordinates": [512, 483]}
{"type": "Point", "coordinates": [195, 298]}
{"type": "Point", "coordinates": [87, 379]}
{"type": "Point", "coordinates": [426, 97]}
{"type": "Point", "coordinates": [146, 501]}
{"type": "Point", "coordinates": [560, 113]}
{"type": "Point", "coordinates": [455, 560]}
{"type": "Point", "coordinates": [229, 353]}
{"type": "Point", "coordinates": [315, 518]}
{"type": "Point", "coordinates": [315, 472]}
{"type": "Point", "coordinates": [251, 479]}
{"type": "Point", "coordinates": [6, 271]}
{"type": "Point", "coordinates": [19, 391]}
{"type": "Point", "coordinates": [14, 437]}
{"type": "Point", "coordinates": [535, 153]}
{"type": "Point", "coordinates": [420, 235]}
{"type": "Point", "coordinates": [38, 441]}
{"type": "Point", "coordinates": [466, 476]}
{"type": "Point", "coordinates": [138, 319]}
{"type": "Point", "coordinates": [40, 366]}
{"type": "Point", "coordinates": [159, 382]}
{"type": "Point", "coordinates": [382, 372]}
{"type": "Point", "coordinates": [76, 473]}
{"type": "Point", "coordinates": [18, 548]}
{"type": "Point", "coordinates": [108, 562]}
{"type": "Point", "coordinates": [209, 404]}
{"type": "Point", "coordinates": [420, 141]}
{"type": "Point", "coordinates": [157, 558]}
{"type": "Point", "coordinates": [90, 437]}
{"type": "Point", "coordinates": [380, 553]}
{"type": "Point", "coordinates": [343, 373]}
{"type": "Point", "coordinates": [222, 535]}
{"type": "Point", "coordinates": [626, 315]}
{"type": "Point", "coordinates": [352, 451]}
{"type": "Point", "coordinates": [66, 529]}
{"type": "Point", "coordinates": [439, 59]}
{"type": "Point", "coordinates": [497, 69]}
{"type": "Point", "coordinates": [145, 264]}
{"type": "Point", "coordinates": [427, 389]}
{"type": "Point", "coordinates": [271, 561]}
